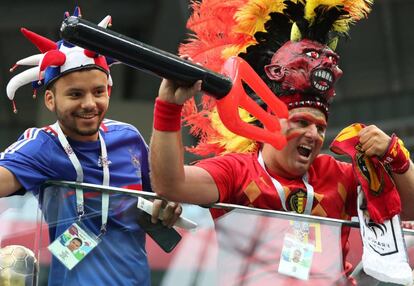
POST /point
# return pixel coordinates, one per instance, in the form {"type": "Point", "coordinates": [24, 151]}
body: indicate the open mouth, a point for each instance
{"type": "Point", "coordinates": [304, 150]}
{"type": "Point", "coordinates": [322, 80]}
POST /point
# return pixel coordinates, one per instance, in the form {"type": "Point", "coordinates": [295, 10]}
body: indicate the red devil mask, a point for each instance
{"type": "Point", "coordinates": [305, 73]}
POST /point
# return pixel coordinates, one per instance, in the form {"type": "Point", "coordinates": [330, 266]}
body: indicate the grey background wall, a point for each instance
{"type": "Point", "coordinates": [377, 86]}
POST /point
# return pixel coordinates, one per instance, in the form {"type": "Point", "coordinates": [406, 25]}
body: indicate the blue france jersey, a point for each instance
{"type": "Point", "coordinates": [120, 258]}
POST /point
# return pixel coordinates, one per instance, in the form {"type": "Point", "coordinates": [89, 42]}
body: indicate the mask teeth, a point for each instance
{"type": "Point", "coordinates": [14, 107]}
{"type": "Point", "coordinates": [13, 67]}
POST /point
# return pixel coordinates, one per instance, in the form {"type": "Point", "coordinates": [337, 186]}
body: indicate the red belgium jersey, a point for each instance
{"type": "Point", "coordinates": [241, 180]}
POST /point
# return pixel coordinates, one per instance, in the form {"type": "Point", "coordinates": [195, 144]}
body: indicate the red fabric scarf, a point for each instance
{"type": "Point", "coordinates": [383, 200]}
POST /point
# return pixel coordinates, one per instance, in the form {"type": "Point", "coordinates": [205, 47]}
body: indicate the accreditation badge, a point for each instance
{"type": "Point", "coordinates": [73, 245]}
{"type": "Point", "coordinates": [296, 257]}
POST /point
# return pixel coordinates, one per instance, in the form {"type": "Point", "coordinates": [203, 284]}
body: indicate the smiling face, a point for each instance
{"type": "Point", "coordinates": [305, 133]}
{"type": "Point", "coordinates": [305, 67]}
{"type": "Point", "coordinates": [80, 100]}
{"type": "Point", "coordinates": [74, 244]}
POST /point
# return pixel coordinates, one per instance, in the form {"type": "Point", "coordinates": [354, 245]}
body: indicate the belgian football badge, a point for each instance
{"type": "Point", "coordinates": [297, 201]}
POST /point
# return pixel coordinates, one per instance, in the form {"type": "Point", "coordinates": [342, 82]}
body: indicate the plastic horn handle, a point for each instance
{"type": "Point", "coordinates": [240, 72]}
{"type": "Point", "coordinates": [141, 56]}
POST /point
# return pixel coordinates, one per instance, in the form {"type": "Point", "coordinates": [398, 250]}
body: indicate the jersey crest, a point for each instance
{"type": "Point", "coordinates": [296, 201]}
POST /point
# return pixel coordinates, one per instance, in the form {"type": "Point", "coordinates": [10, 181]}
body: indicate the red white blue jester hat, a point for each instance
{"type": "Point", "coordinates": [55, 60]}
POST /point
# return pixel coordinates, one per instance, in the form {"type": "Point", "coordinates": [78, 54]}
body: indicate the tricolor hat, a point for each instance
{"type": "Point", "coordinates": [55, 60]}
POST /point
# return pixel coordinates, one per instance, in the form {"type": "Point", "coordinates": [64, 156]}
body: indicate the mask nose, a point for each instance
{"type": "Point", "coordinates": [327, 62]}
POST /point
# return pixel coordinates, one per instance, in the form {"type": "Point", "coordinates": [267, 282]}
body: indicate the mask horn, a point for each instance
{"type": "Point", "coordinates": [333, 43]}
{"type": "Point", "coordinates": [295, 34]}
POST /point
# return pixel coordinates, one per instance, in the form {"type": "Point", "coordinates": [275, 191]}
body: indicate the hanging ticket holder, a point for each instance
{"type": "Point", "coordinates": [297, 251]}
{"type": "Point", "coordinates": [77, 241]}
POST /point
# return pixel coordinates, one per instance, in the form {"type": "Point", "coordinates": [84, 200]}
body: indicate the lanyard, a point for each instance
{"type": "Point", "coordinates": [79, 175]}
{"type": "Point", "coordinates": [281, 192]}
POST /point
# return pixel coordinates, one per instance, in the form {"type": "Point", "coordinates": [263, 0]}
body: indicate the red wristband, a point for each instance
{"type": "Point", "coordinates": [397, 157]}
{"type": "Point", "coordinates": [167, 116]}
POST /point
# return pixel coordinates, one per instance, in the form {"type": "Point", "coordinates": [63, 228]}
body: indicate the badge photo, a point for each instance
{"type": "Point", "coordinates": [73, 245]}
{"type": "Point", "coordinates": [296, 258]}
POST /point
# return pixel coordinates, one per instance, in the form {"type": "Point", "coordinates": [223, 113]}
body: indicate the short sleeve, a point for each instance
{"type": "Point", "coordinates": [224, 170]}
{"type": "Point", "coordinates": [29, 158]}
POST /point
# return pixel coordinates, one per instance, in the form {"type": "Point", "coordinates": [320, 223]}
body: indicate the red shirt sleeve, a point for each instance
{"type": "Point", "coordinates": [227, 172]}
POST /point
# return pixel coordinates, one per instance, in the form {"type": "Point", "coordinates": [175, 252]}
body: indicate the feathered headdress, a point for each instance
{"type": "Point", "coordinates": [255, 30]}
{"type": "Point", "coordinates": [55, 60]}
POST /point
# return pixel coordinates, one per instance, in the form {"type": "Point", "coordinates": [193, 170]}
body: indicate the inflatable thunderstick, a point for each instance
{"type": "Point", "coordinates": [226, 88]}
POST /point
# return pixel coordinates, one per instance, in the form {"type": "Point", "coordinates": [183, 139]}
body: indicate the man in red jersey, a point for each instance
{"type": "Point", "coordinates": [301, 72]}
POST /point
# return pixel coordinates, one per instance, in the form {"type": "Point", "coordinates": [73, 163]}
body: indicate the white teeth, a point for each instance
{"type": "Point", "coordinates": [87, 116]}
{"type": "Point", "coordinates": [319, 87]}
{"type": "Point", "coordinates": [306, 147]}
{"type": "Point", "coordinates": [324, 74]}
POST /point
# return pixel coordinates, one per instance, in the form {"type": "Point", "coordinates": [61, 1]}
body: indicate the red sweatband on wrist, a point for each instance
{"type": "Point", "coordinates": [167, 116]}
{"type": "Point", "coordinates": [397, 157]}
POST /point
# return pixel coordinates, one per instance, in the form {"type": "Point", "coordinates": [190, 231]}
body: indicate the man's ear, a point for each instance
{"type": "Point", "coordinates": [50, 100]}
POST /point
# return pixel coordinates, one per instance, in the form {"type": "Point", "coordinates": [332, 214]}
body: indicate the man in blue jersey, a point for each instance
{"type": "Point", "coordinates": [82, 146]}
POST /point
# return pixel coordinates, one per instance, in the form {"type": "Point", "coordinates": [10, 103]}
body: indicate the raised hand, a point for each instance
{"type": "Point", "coordinates": [173, 92]}
{"type": "Point", "coordinates": [374, 141]}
